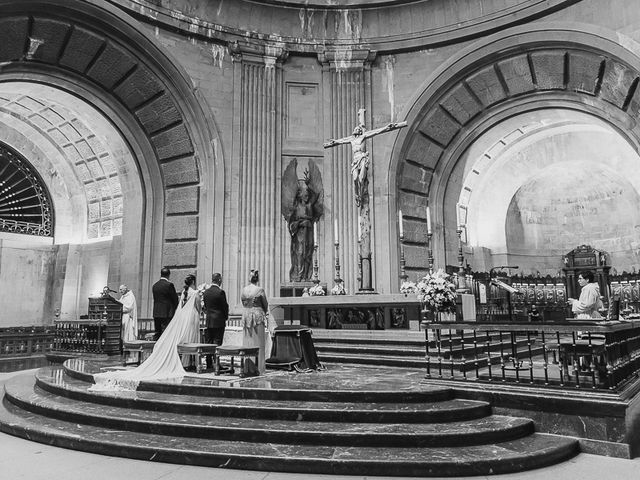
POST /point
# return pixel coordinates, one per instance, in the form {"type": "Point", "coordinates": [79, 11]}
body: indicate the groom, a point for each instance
{"type": "Point", "coordinates": [165, 302]}
{"type": "Point", "coordinates": [216, 310]}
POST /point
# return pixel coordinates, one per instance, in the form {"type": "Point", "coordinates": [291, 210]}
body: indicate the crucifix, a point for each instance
{"type": "Point", "coordinates": [359, 174]}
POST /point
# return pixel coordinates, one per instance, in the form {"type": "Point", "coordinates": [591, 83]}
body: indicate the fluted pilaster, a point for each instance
{"type": "Point", "coordinates": [258, 170]}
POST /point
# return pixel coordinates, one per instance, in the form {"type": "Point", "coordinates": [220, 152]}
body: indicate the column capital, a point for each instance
{"type": "Point", "coordinates": [266, 53]}
{"type": "Point", "coordinates": [347, 58]}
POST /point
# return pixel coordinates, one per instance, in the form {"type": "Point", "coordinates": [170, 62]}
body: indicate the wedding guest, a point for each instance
{"type": "Point", "coordinates": [165, 302]}
{"type": "Point", "coordinates": [254, 317]}
{"type": "Point", "coordinates": [216, 311]}
{"type": "Point", "coordinates": [129, 314]}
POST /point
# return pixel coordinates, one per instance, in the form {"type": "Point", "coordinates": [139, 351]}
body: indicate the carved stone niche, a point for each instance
{"type": "Point", "coordinates": [585, 258]}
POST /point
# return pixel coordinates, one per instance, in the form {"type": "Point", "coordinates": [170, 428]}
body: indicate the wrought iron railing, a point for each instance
{"type": "Point", "coordinates": [595, 355]}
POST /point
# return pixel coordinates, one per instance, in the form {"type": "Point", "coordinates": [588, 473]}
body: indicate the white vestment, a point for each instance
{"type": "Point", "coordinates": [129, 317]}
{"type": "Point", "coordinates": [589, 303]}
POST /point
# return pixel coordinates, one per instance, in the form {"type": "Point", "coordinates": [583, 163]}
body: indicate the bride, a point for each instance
{"type": "Point", "coordinates": [164, 362]}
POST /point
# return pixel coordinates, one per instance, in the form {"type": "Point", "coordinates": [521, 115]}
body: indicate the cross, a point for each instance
{"type": "Point", "coordinates": [360, 175]}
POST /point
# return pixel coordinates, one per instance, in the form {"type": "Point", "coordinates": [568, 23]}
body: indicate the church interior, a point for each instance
{"type": "Point", "coordinates": [351, 152]}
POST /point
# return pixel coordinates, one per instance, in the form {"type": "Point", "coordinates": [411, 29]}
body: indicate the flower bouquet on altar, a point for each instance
{"type": "Point", "coordinates": [316, 290]}
{"type": "Point", "coordinates": [437, 292]}
{"type": "Point", "coordinates": [408, 288]}
{"type": "Point", "coordinates": [338, 288]}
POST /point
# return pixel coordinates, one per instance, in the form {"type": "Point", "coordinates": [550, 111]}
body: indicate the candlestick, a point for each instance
{"type": "Point", "coordinates": [429, 252]}
{"type": "Point", "coordinates": [400, 223]}
{"type": "Point", "coordinates": [338, 287]}
{"type": "Point", "coordinates": [315, 234]}
{"type": "Point", "coordinates": [315, 278]}
{"type": "Point", "coordinates": [460, 283]}
{"type": "Point", "coordinates": [403, 274]}
{"type": "Point", "coordinates": [359, 255]}
{"type": "Point", "coordinates": [335, 231]}
{"type": "Point", "coordinates": [428, 220]}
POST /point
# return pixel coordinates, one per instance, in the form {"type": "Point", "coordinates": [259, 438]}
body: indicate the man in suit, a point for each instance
{"type": "Point", "coordinates": [216, 310]}
{"type": "Point", "coordinates": [165, 302]}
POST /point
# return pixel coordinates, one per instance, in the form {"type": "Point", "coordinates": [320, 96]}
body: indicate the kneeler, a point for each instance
{"type": "Point", "coordinates": [293, 349]}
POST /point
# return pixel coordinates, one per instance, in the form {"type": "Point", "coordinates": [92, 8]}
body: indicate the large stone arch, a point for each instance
{"type": "Point", "coordinates": [546, 66]}
{"type": "Point", "coordinates": [104, 57]}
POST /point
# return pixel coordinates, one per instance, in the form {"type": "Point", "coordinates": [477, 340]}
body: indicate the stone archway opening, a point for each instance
{"type": "Point", "coordinates": [495, 85]}
{"type": "Point", "coordinates": [541, 183]}
{"type": "Point", "coordinates": [97, 195]}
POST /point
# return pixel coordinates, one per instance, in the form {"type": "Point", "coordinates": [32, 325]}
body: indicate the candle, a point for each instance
{"type": "Point", "coordinates": [335, 230]}
{"type": "Point", "coordinates": [428, 221]}
{"type": "Point", "coordinates": [315, 234]}
{"type": "Point", "coordinates": [458, 216]}
{"type": "Point", "coordinates": [400, 223]}
{"type": "Point", "coordinates": [359, 230]}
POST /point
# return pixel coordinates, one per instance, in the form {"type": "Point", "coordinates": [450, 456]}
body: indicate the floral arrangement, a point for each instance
{"type": "Point", "coordinates": [408, 287]}
{"type": "Point", "coordinates": [338, 289]}
{"type": "Point", "coordinates": [437, 291]}
{"type": "Point", "coordinates": [201, 289]}
{"type": "Point", "coordinates": [316, 290]}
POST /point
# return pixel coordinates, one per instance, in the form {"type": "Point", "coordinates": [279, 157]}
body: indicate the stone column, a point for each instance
{"type": "Point", "coordinates": [257, 171]}
{"type": "Point", "coordinates": [347, 88]}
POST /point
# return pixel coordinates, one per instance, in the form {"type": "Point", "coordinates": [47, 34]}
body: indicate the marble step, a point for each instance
{"type": "Point", "coordinates": [394, 350]}
{"type": "Point", "coordinates": [364, 411]}
{"type": "Point", "coordinates": [335, 385]}
{"type": "Point", "coordinates": [532, 451]}
{"type": "Point", "coordinates": [468, 365]}
{"type": "Point", "coordinates": [21, 392]}
{"type": "Point", "coordinates": [390, 337]}
{"type": "Point", "coordinates": [415, 351]}
{"type": "Point", "coordinates": [364, 359]}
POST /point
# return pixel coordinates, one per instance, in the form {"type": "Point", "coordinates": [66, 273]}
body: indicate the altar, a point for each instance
{"type": "Point", "coordinates": [361, 312]}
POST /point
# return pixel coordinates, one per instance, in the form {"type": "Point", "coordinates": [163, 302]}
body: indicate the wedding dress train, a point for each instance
{"type": "Point", "coordinates": [164, 362]}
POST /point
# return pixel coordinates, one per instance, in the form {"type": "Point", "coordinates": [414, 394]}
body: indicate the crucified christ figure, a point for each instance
{"type": "Point", "coordinates": [359, 173]}
{"type": "Point", "coordinates": [360, 160]}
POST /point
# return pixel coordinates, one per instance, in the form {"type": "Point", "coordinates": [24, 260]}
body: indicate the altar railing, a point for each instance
{"type": "Point", "coordinates": [594, 355]}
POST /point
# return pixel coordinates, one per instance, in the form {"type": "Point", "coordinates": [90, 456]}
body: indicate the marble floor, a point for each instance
{"type": "Point", "coordinates": [21, 459]}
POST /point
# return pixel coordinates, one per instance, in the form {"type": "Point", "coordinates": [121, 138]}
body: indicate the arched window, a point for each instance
{"type": "Point", "coordinates": [25, 204]}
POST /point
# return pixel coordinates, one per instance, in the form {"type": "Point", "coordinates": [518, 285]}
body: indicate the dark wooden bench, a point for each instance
{"type": "Point", "coordinates": [238, 351]}
{"type": "Point", "coordinates": [139, 350]}
{"type": "Point", "coordinates": [198, 350]}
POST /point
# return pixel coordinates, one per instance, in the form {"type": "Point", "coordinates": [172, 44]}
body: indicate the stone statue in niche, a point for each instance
{"type": "Point", "coordinates": [398, 318]}
{"type": "Point", "coordinates": [334, 318]}
{"type": "Point", "coordinates": [302, 207]}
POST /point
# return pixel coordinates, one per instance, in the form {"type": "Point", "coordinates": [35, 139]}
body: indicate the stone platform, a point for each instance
{"type": "Point", "coordinates": [343, 420]}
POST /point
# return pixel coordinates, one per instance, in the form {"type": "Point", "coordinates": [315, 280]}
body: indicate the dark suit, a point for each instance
{"type": "Point", "coordinates": [216, 310]}
{"type": "Point", "coordinates": [165, 302]}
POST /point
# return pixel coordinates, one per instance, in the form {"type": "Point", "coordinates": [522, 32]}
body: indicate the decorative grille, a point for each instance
{"type": "Point", "coordinates": [25, 205]}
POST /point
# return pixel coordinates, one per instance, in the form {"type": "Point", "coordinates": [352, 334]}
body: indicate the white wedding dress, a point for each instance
{"type": "Point", "coordinates": [164, 362]}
